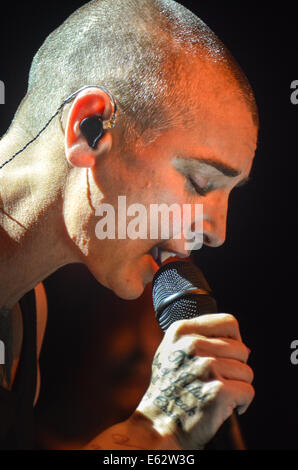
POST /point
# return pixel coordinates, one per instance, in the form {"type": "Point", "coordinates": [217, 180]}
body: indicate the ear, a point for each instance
{"type": "Point", "coordinates": [88, 102]}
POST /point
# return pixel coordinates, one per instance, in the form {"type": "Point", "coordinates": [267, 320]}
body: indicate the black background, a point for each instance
{"type": "Point", "coordinates": [254, 274]}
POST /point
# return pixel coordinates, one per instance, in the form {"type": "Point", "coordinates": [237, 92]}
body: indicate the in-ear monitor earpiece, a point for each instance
{"type": "Point", "coordinates": [92, 129]}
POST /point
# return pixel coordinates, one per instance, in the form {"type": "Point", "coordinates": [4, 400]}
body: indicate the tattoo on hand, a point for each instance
{"type": "Point", "coordinates": [184, 381]}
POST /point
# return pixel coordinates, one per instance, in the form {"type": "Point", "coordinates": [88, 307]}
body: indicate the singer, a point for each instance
{"type": "Point", "coordinates": [136, 98]}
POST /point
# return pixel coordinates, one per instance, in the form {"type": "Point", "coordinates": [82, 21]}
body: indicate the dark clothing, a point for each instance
{"type": "Point", "coordinates": [16, 406]}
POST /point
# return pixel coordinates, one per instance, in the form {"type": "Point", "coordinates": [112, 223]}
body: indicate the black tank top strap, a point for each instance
{"type": "Point", "coordinates": [16, 406]}
{"type": "Point", "coordinates": [25, 381]}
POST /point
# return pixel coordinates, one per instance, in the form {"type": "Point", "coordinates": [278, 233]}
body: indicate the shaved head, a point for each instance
{"type": "Point", "coordinates": [148, 53]}
{"type": "Point", "coordinates": [186, 133]}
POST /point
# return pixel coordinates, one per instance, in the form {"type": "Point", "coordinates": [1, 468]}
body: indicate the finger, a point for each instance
{"type": "Point", "coordinates": [208, 368]}
{"type": "Point", "coordinates": [221, 347]}
{"type": "Point", "coordinates": [231, 369]}
{"type": "Point", "coordinates": [211, 325]}
{"type": "Point", "coordinates": [239, 394]}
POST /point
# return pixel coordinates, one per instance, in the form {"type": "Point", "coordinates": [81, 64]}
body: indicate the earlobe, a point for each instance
{"type": "Point", "coordinates": [81, 155]}
{"type": "Point", "coordinates": [80, 158]}
{"type": "Point", "coordinates": [77, 151]}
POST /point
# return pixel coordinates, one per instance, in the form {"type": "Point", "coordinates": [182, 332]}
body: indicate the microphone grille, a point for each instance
{"type": "Point", "coordinates": [176, 277]}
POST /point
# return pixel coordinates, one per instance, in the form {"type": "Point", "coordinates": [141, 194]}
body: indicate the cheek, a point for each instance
{"type": "Point", "coordinates": [78, 225]}
{"type": "Point", "coordinates": [167, 188]}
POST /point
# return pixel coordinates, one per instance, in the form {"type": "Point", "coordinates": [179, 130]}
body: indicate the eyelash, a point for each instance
{"type": "Point", "coordinates": [201, 191]}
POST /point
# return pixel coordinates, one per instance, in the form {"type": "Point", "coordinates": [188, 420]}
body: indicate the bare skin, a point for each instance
{"type": "Point", "coordinates": [47, 219]}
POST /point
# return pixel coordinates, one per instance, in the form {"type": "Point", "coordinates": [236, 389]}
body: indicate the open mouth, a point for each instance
{"type": "Point", "coordinates": [159, 255]}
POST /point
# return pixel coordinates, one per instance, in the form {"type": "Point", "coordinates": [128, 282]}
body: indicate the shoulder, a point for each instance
{"type": "Point", "coordinates": [12, 331]}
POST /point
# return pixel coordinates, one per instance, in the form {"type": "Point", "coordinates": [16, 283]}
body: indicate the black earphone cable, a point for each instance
{"type": "Point", "coordinates": [54, 115]}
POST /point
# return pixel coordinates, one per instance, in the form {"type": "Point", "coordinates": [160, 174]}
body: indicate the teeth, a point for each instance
{"type": "Point", "coordinates": [161, 255]}
{"type": "Point", "coordinates": [166, 255]}
{"type": "Point", "coordinates": [154, 252]}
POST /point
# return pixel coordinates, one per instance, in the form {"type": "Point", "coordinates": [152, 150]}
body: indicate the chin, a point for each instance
{"type": "Point", "coordinates": [129, 293]}
{"type": "Point", "coordinates": [129, 283]}
{"type": "Point", "coordinates": [128, 287]}
{"type": "Point", "coordinates": [124, 287]}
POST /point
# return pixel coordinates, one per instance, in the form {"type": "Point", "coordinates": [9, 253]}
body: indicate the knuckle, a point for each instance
{"type": "Point", "coordinates": [173, 343]}
{"type": "Point", "coordinates": [176, 328]}
{"type": "Point", "coordinates": [219, 391]}
{"type": "Point", "coordinates": [229, 318]}
{"type": "Point", "coordinates": [234, 324]}
{"type": "Point", "coordinates": [251, 393]}
{"type": "Point", "coordinates": [209, 365]}
{"type": "Point", "coordinates": [229, 410]}
{"type": "Point", "coordinates": [244, 351]}
{"type": "Point", "coordinates": [173, 331]}
{"type": "Point", "coordinates": [250, 374]}
{"type": "Point", "coordinates": [200, 342]}
{"type": "Point", "coordinates": [214, 392]}
{"type": "Point", "coordinates": [210, 362]}
{"type": "Point", "coordinates": [187, 344]}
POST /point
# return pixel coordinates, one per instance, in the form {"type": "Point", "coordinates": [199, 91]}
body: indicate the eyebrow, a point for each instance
{"type": "Point", "coordinates": [225, 169]}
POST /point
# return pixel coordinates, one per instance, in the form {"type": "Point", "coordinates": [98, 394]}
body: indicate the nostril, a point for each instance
{"type": "Point", "coordinates": [212, 240]}
{"type": "Point", "coordinates": [206, 239]}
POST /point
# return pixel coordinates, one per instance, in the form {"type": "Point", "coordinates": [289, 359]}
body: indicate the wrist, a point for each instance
{"type": "Point", "coordinates": [150, 431]}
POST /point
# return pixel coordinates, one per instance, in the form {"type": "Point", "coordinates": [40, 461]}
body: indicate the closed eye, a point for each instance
{"type": "Point", "coordinates": [194, 187]}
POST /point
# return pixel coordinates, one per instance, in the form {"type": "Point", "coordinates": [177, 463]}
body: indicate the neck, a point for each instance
{"type": "Point", "coordinates": [33, 239]}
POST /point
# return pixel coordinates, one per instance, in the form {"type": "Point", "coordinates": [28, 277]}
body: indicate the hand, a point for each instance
{"type": "Point", "coordinates": [199, 376]}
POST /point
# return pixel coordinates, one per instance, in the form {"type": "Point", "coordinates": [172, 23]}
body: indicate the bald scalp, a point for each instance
{"type": "Point", "coordinates": [141, 50]}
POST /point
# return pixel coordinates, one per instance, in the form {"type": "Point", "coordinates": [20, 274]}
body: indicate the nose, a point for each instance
{"type": "Point", "coordinates": [215, 222]}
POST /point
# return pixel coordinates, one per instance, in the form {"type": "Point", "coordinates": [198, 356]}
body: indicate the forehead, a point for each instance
{"type": "Point", "coordinates": [219, 123]}
{"type": "Point", "coordinates": [209, 118]}
{"type": "Point", "coordinates": [226, 132]}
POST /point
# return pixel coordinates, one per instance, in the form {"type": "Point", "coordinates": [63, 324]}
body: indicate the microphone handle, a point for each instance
{"type": "Point", "coordinates": [229, 435]}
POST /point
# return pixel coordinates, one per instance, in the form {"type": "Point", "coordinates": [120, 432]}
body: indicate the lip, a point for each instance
{"type": "Point", "coordinates": [157, 254]}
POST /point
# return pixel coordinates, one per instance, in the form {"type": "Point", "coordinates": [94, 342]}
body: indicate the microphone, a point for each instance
{"type": "Point", "coordinates": [180, 292]}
